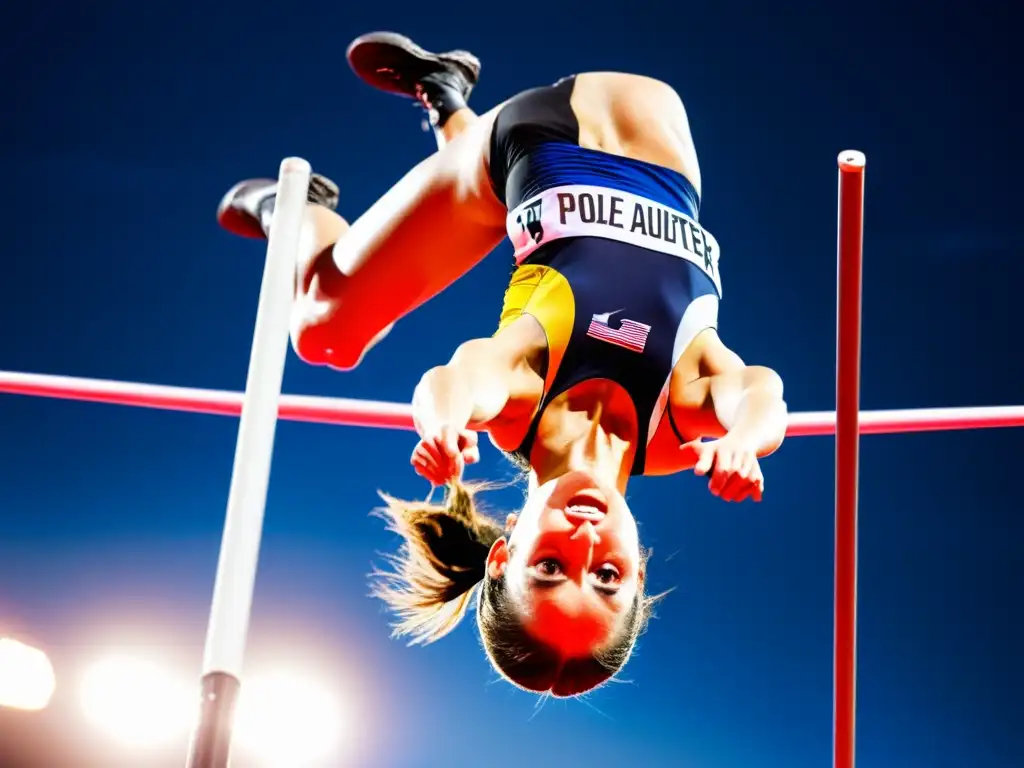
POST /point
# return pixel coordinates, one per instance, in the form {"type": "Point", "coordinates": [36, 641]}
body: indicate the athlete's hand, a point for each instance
{"type": "Point", "coordinates": [442, 455]}
{"type": "Point", "coordinates": [733, 466]}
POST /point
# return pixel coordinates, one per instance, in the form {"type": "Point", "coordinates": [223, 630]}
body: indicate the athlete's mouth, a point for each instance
{"type": "Point", "coordinates": [587, 506]}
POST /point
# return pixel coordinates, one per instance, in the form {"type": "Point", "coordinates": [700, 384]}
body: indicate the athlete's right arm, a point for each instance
{"type": "Point", "coordinates": [468, 392]}
{"type": "Point", "coordinates": [453, 400]}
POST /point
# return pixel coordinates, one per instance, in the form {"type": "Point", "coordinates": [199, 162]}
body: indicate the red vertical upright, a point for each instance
{"type": "Point", "coordinates": [848, 332]}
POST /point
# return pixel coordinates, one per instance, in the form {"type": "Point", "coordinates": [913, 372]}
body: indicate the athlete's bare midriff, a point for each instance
{"type": "Point", "coordinates": [637, 117]}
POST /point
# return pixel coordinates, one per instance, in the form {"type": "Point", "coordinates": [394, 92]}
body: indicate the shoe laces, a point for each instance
{"type": "Point", "coordinates": [422, 100]}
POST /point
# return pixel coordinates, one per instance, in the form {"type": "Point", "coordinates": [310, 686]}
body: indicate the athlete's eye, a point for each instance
{"type": "Point", "coordinates": [608, 575]}
{"type": "Point", "coordinates": [549, 568]}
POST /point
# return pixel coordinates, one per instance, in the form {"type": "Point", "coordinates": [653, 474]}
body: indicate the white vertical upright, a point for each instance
{"type": "Point", "coordinates": [243, 525]}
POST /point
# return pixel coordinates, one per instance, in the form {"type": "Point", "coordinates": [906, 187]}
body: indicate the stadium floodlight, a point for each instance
{"type": "Point", "coordinates": [289, 720]}
{"type": "Point", "coordinates": [137, 702]}
{"type": "Point", "coordinates": [26, 676]}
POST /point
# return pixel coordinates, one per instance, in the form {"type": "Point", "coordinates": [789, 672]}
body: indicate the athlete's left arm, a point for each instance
{"type": "Point", "coordinates": [745, 401]}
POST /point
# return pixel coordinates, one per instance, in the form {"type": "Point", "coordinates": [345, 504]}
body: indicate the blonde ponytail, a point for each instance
{"type": "Point", "coordinates": [442, 558]}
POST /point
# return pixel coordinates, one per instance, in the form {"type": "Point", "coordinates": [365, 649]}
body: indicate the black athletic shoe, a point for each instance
{"type": "Point", "coordinates": [244, 207]}
{"type": "Point", "coordinates": [395, 64]}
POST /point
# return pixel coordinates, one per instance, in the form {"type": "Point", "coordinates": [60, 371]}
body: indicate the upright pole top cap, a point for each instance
{"type": "Point", "coordinates": [851, 160]}
{"type": "Point", "coordinates": [296, 166]}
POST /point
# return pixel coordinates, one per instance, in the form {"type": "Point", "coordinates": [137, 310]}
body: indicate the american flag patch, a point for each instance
{"type": "Point", "coordinates": [630, 334]}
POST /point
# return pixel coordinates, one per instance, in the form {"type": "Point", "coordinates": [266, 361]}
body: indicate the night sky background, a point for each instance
{"type": "Point", "coordinates": [124, 123]}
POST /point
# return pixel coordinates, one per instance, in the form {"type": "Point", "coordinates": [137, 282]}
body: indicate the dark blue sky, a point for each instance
{"type": "Point", "coordinates": [124, 123]}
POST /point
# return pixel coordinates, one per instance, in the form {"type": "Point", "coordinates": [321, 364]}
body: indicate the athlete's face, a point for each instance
{"type": "Point", "coordinates": [572, 563]}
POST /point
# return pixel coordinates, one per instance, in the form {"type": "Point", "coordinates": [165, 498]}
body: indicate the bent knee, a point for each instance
{"type": "Point", "coordinates": [320, 345]}
{"type": "Point", "coordinates": [327, 339]}
{"type": "Point", "coordinates": [306, 345]}
{"type": "Point", "coordinates": [315, 351]}
{"type": "Point", "coordinates": [313, 334]}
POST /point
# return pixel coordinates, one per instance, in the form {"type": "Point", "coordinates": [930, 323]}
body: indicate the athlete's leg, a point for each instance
{"type": "Point", "coordinates": [455, 125]}
{"type": "Point", "coordinates": [427, 231]}
{"type": "Point", "coordinates": [439, 221]}
{"type": "Point", "coordinates": [353, 283]}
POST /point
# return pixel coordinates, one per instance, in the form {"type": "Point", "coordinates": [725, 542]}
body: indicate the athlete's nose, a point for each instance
{"type": "Point", "coordinates": [586, 531]}
{"type": "Point", "coordinates": [584, 539]}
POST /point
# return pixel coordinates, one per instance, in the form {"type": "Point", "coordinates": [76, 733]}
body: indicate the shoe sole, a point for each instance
{"type": "Point", "coordinates": [376, 56]}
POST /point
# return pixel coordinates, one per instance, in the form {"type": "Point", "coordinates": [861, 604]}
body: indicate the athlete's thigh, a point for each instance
{"type": "Point", "coordinates": [434, 225]}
